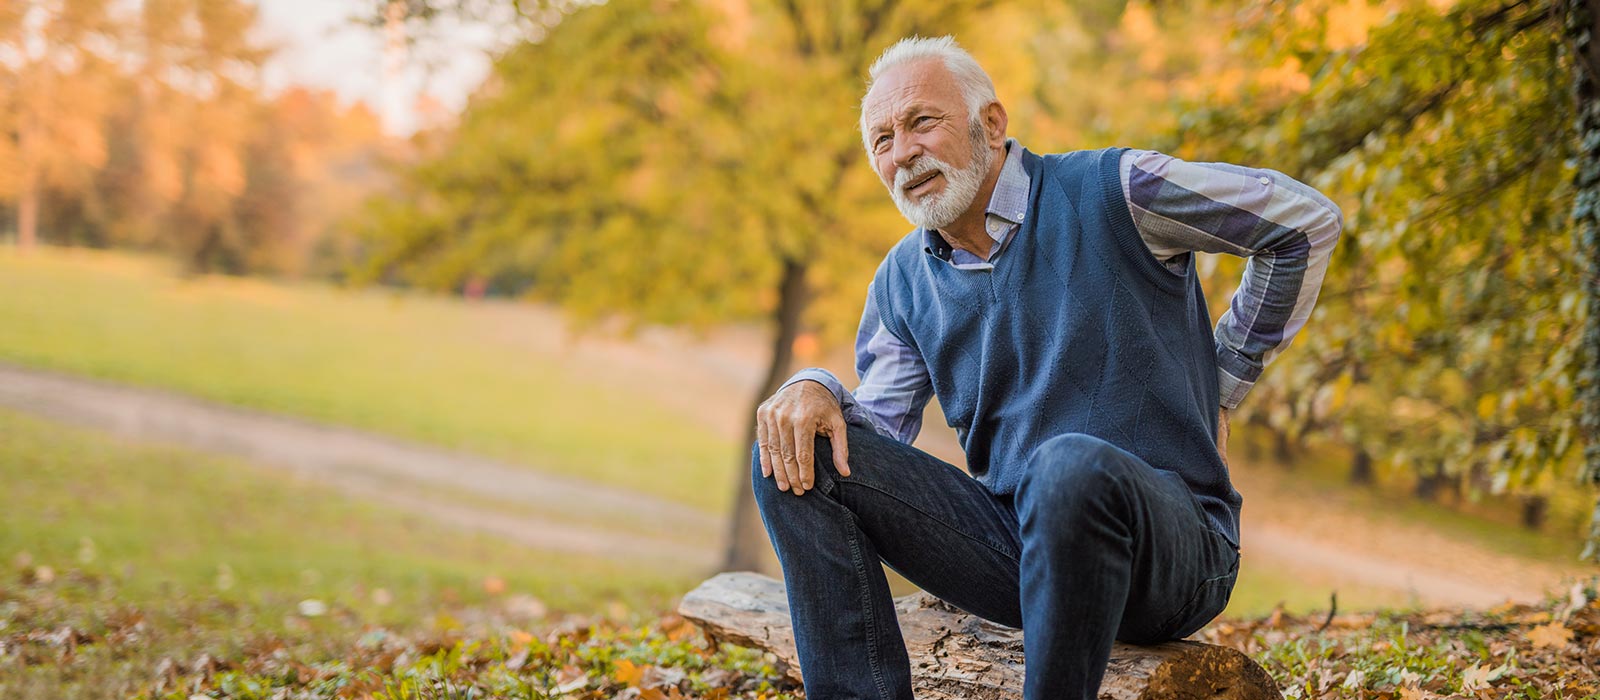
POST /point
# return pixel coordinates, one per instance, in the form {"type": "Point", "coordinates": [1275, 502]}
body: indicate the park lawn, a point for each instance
{"type": "Point", "coordinates": [160, 525]}
{"type": "Point", "coordinates": [142, 555]}
{"type": "Point", "coordinates": [420, 367]}
{"type": "Point", "coordinates": [1262, 589]}
{"type": "Point", "coordinates": [1321, 475]}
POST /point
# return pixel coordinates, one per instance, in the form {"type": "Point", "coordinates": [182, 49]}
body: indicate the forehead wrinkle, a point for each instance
{"type": "Point", "coordinates": [906, 113]}
{"type": "Point", "coordinates": [900, 94]}
{"type": "Point", "coordinates": [906, 103]}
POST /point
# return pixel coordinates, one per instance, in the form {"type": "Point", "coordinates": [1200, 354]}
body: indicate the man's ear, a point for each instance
{"type": "Point", "coordinates": [994, 124]}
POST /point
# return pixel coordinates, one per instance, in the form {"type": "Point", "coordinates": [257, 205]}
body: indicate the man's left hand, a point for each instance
{"type": "Point", "coordinates": [1222, 435]}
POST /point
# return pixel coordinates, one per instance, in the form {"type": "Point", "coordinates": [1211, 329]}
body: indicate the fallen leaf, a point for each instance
{"type": "Point", "coordinates": [1476, 677]}
{"type": "Point", "coordinates": [1411, 692]}
{"type": "Point", "coordinates": [1356, 679]}
{"type": "Point", "coordinates": [570, 673]}
{"type": "Point", "coordinates": [1552, 636]}
{"type": "Point", "coordinates": [628, 673]}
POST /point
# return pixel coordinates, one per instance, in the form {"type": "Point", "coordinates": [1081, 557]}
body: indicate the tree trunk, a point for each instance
{"type": "Point", "coordinates": [748, 546]}
{"type": "Point", "coordinates": [1432, 485]}
{"type": "Point", "coordinates": [28, 214]}
{"type": "Point", "coordinates": [1583, 31]}
{"type": "Point", "coordinates": [956, 655]}
{"type": "Point", "coordinates": [1361, 473]}
{"type": "Point", "coordinates": [1283, 449]}
{"type": "Point", "coordinates": [1535, 507]}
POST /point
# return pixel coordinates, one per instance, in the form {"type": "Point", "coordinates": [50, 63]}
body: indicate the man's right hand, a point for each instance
{"type": "Point", "coordinates": [786, 428]}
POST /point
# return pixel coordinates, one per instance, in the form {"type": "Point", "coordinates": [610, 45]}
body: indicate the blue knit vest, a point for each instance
{"type": "Point", "coordinates": [1076, 329]}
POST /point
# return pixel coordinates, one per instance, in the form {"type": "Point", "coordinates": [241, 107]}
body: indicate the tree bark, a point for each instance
{"type": "Point", "coordinates": [747, 544]}
{"type": "Point", "coordinates": [1583, 33]}
{"type": "Point", "coordinates": [956, 655]}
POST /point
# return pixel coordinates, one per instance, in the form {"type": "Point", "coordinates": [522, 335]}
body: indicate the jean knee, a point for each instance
{"type": "Point", "coordinates": [822, 470]}
{"type": "Point", "coordinates": [756, 477]}
{"type": "Point", "coordinates": [1072, 468]}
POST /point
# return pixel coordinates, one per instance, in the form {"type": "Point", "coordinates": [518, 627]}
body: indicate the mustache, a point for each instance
{"type": "Point", "coordinates": [919, 168]}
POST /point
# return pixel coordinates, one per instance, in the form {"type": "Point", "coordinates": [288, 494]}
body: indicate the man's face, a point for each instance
{"type": "Point", "coordinates": [920, 139]}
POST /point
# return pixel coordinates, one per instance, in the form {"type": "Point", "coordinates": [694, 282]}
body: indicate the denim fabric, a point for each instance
{"type": "Point", "coordinates": [1094, 546]}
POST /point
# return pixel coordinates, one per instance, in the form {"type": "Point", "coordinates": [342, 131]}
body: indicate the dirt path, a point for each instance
{"type": "Point", "coordinates": [1312, 540]}
{"type": "Point", "coordinates": [462, 490]}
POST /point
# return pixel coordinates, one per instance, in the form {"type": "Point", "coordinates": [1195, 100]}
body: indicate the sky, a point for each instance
{"type": "Point", "coordinates": [320, 46]}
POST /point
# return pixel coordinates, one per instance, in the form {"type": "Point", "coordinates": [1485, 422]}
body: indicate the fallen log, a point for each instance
{"type": "Point", "coordinates": [955, 655]}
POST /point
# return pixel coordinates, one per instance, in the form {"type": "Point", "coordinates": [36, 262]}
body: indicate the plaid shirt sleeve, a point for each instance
{"type": "Point", "coordinates": [895, 386]}
{"type": "Point", "coordinates": [1285, 228]}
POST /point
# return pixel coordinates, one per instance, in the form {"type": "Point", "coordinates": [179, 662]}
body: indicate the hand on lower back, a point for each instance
{"type": "Point", "coordinates": [1222, 435]}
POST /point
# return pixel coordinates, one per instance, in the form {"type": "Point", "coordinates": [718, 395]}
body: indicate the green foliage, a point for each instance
{"type": "Point", "coordinates": [569, 176]}
{"type": "Point", "coordinates": [1445, 340]}
{"type": "Point", "coordinates": [664, 160]}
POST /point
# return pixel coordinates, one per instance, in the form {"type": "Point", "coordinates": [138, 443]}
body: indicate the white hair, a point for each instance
{"type": "Point", "coordinates": [976, 88]}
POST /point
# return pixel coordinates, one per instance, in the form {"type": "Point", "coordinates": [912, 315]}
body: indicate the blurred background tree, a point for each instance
{"type": "Point", "coordinates": [713, 173]}
{"type": "Point", "coordinates": [1446, 341]}
{"type": "Point", "coordinates": [146, 126]}
{"type": "Point", "coordinates": [1446, 345]}
{"type": "Point", "coordinates": [695, 163]}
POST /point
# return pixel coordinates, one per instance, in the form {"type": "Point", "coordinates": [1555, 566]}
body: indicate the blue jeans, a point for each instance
{"type": "Point", "coordinates": [1094, 546]}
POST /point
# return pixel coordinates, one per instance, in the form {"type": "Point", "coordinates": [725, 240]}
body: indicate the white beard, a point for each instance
{"type": "Point", "coordinates": [937, 211]}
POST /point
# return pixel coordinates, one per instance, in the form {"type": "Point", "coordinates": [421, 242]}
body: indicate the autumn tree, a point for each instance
{"type": "Point", "coordinates": [144, 126]}
{"type": "Point", "coordinates": [680, 162]}
{"type": "Point", "coordinates": [1447, 333]}
{"type": "Point", "coordinates": [57, 74]}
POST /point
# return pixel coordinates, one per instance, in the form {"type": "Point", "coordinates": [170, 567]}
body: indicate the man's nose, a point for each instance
{"type": "Point", "coordinates": [906, 149]}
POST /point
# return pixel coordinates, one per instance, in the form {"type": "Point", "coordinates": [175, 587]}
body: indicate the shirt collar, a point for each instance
{"type": "Point", "coordinates": [1007, 204]}
{"type": "Point", "coordinates": [1010, 198]}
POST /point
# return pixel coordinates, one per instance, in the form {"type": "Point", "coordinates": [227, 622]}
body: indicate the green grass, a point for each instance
{"type": "Point", "coordinates": [161, 524]}
{"type": "Point", "coordinates": [1321, 473]}
{"type": "Point", "coordinates": [413, 366]}
{"type": "Point", "coordinates": [151, 555]}
{"type": "Point", "coordinates": [450, 373]}
{"type": "Point", "coordinates": [1260, 589]}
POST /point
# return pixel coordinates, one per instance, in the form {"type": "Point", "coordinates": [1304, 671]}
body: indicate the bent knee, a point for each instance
{"type": "Point", "coordinates": [822, 468]}
{"type": "Point", "coordinates": [1075, 466]}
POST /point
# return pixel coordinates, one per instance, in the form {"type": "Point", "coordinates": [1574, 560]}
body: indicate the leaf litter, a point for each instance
{"type": "Point", "coordinates": [1548, 650]}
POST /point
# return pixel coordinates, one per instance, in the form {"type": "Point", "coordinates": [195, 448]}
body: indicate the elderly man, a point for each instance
{"type": "Point", "coordinates": [1052, 304]}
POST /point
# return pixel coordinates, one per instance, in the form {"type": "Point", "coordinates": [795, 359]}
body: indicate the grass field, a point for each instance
{"type": "Point", "coordinates": [149, 572]}
{"type": "Point", "coordinates": [199, 557]}
{"type": "Point", "coordinates": [162, 523]}
{"type": "Point", "coordinates": [440, 371]}
{"type": "Point", "coordinates": [424, 368]}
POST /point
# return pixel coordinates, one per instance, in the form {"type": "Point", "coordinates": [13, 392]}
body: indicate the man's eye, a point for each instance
{"type": "Point", "coordinates": [881, 141]}
{"type": "Point", "coordinates": [919, 121]}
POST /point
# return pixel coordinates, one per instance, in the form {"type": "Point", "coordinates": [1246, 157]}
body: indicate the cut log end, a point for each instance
{"type": "Point", "coordinates": [958, 655]}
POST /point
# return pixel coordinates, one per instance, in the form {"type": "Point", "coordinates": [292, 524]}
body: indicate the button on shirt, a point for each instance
{"type": "Point", "coordinates": [1286, 230]}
